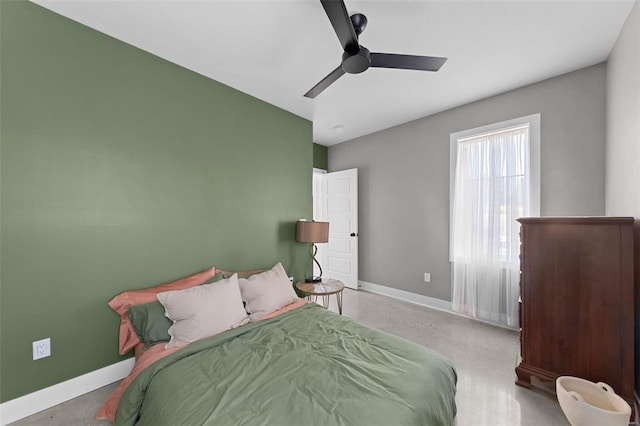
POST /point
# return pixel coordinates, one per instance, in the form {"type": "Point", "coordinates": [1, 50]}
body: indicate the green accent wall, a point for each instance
{"type": "Point", "coordinates": [120, 170]}
{"type": "Point", "coordinates": [320, 157]}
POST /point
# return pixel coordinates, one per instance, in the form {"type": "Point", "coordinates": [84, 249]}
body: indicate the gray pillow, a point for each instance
{"type": "Point", "coordinates": [267, 292]}
{"type": "Point", "coordinates": [203, 311]}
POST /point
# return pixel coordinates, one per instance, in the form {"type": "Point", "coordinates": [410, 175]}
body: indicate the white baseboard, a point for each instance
{"type": "Point", "coordinates": [35, 402]}
{"type": "Point", "coordinates": [407, 296]}
{"type": "Point", "coordinates": [419, 299]}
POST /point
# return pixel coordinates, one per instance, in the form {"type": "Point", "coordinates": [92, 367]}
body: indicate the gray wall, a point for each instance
{"type": "Point", "coordinates": [623, 140]}
{"type": "Point", "coordinates": [623, 120]}
{"type": "Point", "coordinates": [404, 175]}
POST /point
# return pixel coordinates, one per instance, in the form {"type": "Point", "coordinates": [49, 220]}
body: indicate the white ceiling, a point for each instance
{"type": "Point", "coordinates": [277, 50]}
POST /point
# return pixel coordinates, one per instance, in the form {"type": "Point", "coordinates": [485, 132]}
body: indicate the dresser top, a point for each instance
{"type": "Point", "coordinates": [585, 220]}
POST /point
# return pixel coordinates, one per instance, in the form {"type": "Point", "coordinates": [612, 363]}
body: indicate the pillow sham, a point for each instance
{"type": "Point", "coordinates": [127, 338]}
{"type": "Point", "coordinates": [217, 277]}
{"type": "Point", "coordinates": [203, 311]}
{"type": "Point", "coordinates": [266, 292]}
{"type": "Point", "coordinates": [150, 323]}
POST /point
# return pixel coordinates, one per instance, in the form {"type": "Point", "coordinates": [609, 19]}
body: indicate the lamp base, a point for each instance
{"type": "Point", "coordinates": [313, 280]}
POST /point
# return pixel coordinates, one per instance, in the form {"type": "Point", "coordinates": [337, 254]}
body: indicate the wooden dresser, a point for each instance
{"type": "Point", "coordinates": [577, 300]}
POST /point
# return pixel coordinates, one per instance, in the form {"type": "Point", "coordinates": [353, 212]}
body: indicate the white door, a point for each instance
{"type": "Point", "coordinates": [340, 190]}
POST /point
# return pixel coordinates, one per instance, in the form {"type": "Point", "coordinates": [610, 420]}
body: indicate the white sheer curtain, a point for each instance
{"type": "Point", "coordinates": [492, 189]}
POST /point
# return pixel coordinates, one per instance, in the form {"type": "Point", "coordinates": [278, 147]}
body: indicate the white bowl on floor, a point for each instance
{"type": "Point", "coordinates": [585, 403]}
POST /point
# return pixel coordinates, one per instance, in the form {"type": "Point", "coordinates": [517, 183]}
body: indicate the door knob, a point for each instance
{"type": "Point", "coordinates": [353, 234]}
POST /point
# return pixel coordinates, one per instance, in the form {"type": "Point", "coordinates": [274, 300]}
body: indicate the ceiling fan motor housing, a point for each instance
{"type": "Point", "coordinates": [355, 63]}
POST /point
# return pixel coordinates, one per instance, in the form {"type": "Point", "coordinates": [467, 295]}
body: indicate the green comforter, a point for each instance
{"type": "Point", "coordinates": [308, 366]}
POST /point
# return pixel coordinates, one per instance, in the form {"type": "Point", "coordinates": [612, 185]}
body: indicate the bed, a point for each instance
{"type": "Point", "coordinates": [298, 364]}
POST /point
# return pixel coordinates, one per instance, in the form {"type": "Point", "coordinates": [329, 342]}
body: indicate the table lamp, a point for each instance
{"type": "Point", "coordinates": [313, 232]}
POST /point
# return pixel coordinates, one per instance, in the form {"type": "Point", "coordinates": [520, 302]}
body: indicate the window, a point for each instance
{"type": "Point", "coordinates": [494, 181]}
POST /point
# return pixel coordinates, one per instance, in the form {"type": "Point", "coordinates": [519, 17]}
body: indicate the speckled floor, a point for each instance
{"type": "Point", "coordinates": [484, 356]}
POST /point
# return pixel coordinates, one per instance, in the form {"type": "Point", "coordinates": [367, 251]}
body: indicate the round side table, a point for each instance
{"type": "Point", "coordinates": [323, 288]}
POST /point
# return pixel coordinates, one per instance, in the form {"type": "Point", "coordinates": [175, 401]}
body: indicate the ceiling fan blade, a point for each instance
{"type": "Point", "coordinates": [408, 62]}
{"type": "Point", "coordinates": [325, 82]}
{"type": "Point", "coordinates": [339, 17]}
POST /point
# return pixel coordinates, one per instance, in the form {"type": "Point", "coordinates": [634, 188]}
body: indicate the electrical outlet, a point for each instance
{"type": "Point", "coordinates": [427, 277]}
{"type": "Point", "coordinates": [42, 348]}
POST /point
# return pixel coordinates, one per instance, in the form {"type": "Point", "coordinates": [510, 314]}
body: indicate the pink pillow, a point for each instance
{"type": "Point", "coordinates": [128, 338]}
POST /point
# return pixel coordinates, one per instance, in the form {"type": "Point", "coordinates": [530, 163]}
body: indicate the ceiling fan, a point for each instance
{"type": "Point", "coordinates": [357, 58]}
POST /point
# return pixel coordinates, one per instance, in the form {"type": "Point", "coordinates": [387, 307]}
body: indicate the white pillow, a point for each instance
{"type": "Point", "coordinates": [267, 292]}
{"type": "Point", "coordinates": [203, 311]}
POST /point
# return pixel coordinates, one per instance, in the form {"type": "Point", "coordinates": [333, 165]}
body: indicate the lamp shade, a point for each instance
{"type": "Point", "coordinates": [312, 232]}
